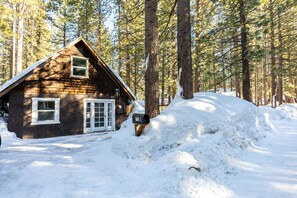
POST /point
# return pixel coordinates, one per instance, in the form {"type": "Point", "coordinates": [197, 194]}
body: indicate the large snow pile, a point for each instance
{"type": "Point", "coordinates": [192, 140]}
{"type": "Point", "coordinates": [283, 112]}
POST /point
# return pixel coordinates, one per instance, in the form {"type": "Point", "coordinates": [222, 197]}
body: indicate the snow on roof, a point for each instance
{"type": "Point", "coordinates": [22, 74]}
{"type": "Point", "coordinates": [36, 64]}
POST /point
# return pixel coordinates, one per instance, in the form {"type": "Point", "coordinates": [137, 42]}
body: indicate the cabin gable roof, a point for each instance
{"type": "Point", "coordinates": [9, 85]}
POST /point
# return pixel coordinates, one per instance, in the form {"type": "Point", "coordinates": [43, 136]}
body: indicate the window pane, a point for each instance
{"type": "Point", "coordinates": [79, 62]}
{"type": "Point", "coordinates": [46, 105]}
{"type": "Point", "coordinates": [43, 116]}
{"type": "Point", "coordinates": [79, 71]}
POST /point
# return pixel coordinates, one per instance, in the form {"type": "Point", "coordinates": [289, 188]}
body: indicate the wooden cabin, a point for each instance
{"type": "Point", "coordinates": [71, 92]}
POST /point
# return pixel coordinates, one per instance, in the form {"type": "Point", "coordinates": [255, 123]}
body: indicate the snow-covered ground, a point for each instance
{"type": "Point", "coordinates": [210, 146]}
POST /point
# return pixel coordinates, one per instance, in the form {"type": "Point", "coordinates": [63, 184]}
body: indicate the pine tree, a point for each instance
{"type": "Point", "coordinates": [246, 87]}
{"type": "Point", "coordinates": [151, 52]}
{"type": "Point", "coordinates": [184, 48]}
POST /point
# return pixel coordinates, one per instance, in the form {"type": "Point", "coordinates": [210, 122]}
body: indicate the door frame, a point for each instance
{"type": "Point", "coordinates": [105, 101]}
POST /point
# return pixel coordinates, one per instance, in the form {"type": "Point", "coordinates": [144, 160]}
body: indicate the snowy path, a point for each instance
{"type": "Point", "coordinates": [269, 170]}
{"type": "Point", "coordinates": [157, 164]}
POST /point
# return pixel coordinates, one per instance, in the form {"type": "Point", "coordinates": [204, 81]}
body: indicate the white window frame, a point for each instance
{"type": "Point", "coordinates": [35, 111]}
{"type": "Point", "coordinates": [87, 68]}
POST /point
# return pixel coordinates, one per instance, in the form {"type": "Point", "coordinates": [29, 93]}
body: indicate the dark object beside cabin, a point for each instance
{"type": "Point", "coordinates": [138, 118]}
{"type": "Point", "coordinates": [140, 121]}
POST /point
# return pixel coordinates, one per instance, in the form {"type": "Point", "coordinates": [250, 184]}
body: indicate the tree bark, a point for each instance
{"type": "Point", "coordinates": [169, 85]}
{"type": "Point", "coordinates": [13, 43]}
{"type": "Point", "coordinates": [214, 72]}
{"type": "Point", "coordinates": [256, 87]}
{"type": "Point", "coordinates": [265, 75]}
{"type": "Point", "coordinates": [246, 85]}
{"type": "Point", "coordinates": [236, 67]}
{"type": "Point", "coordinates": [280, 60]}
{"type": "Point", "coordinates": [151, 51]}
{"type": "Point", "coordinates": [127, 61]}
{"type": "Point", "coordinates": [184, 48]}
{"type": "Point", "coordinates": [99, 36]}
{"type": "Point", "coordinates": [197, 72]}
{"type": "Point", "coordinates": [20, 39]}
{"type": "Point", "coordinates": [295, 87]}
{"type": "Point", "coordinates": [272, 48]}
{"type": "Point", "coordinates": [163, 80]}
{"type": "Point", "coordinates": [119, 38]}
{"type": "Point", "coordinates": [135, 72]}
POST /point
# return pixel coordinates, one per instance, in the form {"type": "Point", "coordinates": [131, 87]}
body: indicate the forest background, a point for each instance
{"type": "Point", "coordinates": [33, 29]}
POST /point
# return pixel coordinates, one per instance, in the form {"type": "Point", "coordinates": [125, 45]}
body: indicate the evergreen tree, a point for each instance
{"type": "Point", "coordinates": [151, 52]}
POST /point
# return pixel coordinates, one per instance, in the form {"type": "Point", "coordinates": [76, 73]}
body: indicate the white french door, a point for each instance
{"type": "Point", "coordinates": [99, 115]}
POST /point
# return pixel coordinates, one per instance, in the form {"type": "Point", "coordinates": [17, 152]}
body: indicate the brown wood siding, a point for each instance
{"type": "Point", "coordinates": [16, 112]}
{"type": "Point", "coordinates": [54, 77]}
{"type": "Point", "coordinates": [71, 117]}
{"type": "Point", "coordinates": [53, 81]}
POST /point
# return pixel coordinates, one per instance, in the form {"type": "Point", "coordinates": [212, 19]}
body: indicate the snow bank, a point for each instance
{"type": "Point", "coordinates": [284, 112]}
{"type": "Point", "coordinates": [8, 138]}
{"type": "Point", "coordinates": [196, 136]}
{"type": "Point", "coordinates": [186, 121]}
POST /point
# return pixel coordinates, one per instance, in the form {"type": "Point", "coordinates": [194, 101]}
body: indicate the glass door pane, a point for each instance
{"type": "Point", "coordinates": [88, 117]}
{"type": "Point", "coordinates": [109, 115]}
{"type": "Point", "coordinates": [99, 116]}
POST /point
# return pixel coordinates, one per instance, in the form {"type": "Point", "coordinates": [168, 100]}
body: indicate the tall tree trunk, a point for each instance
{"type": "Point", "coordinates": [236, 67]}
{"type": "Point", "coordinates": [264, 82]}
{"type": "Point", "coordinates": [256, 86]}
{"type": "Point", "coordinates": [295, 86]}
{"type": "Point", "coordinates": [291, 80]}
{"type": "Point", "coordinates": [119, 2]}
{"type": "Point", "coordinates": [33, 30]}
{"type": "Point", "coordinates": [20, 39]}
{"type": "Point", "coordinates": [237, 85]}
{"type": "Point", "coordinates": [169, 85]}
{"type": "Point", "coordinates": [280, 60]}
{"type": "Point", "coordinates": [163, 80]}
{"type": "Point", "coordinates": [214, 72]}
{"type": "Point", "coordinates": [224, 76]}
{"type": "Point", "coordinates": [184, 48]}
{"type": "Point", "coordinates": [246, 85]}
{"type": "Point", "coordinates": [86, 29]}
{"type": "Point", "coordinates": [224, 82]}
{"type": "Point", "coordinates": [197, 79]}
{"type": "Point", "coordinates": [265, 74]}
{"type": "Point", "coordinates": [128, 68]}
{"type": "Point", "coordinates": [128, 71]}
{"type": "Point", "coordinates": [65, 24]}
{"type": "Point", "coordinates": [197, 72]}
{"type": "Point", "coordinates": [135, 72]}
{"type": "Point", "coordinates": [151, 51]}
{"type": "Point", "coordinates": [99, 36]}
{"type": "Point", "coordinates": [231, 81]}
{"type": "Point", "coordinates": [272, 48]}
{"type": "Point", "coordinates": [13, 43]}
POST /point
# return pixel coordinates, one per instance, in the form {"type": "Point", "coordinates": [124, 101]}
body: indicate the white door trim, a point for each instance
{"type": "Point", "coordinates": [106, 127]}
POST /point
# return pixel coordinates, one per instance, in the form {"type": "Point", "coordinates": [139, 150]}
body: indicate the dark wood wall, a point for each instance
{"type": "Point", "coordinates": [53, 80]}
{"type": "Point", "coordinates": [16, 110]}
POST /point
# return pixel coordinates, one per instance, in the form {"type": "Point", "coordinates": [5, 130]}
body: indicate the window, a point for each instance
{"type": "Point", "coordinates": [45, 111]}
{"type": "Point", "coordinates": [79, 67]}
